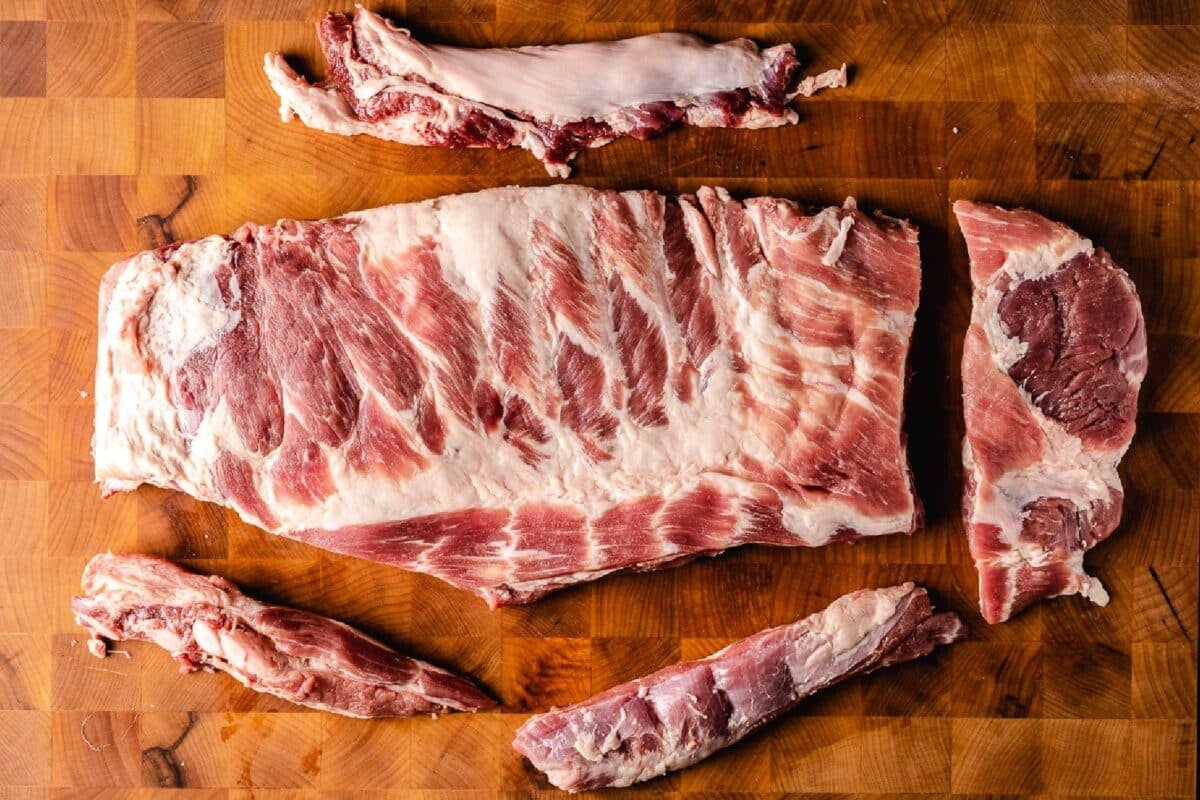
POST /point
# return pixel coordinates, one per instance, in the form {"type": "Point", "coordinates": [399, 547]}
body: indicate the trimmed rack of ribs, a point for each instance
{"type": "Point", "coordinates": [1052, 363]}
{"type": "Point", "coordinates": [684, 713]}
{"type": "Point", "coordinates": [552, 101]}
{"type": "Point", "coordinates": [523, 388]}
{"type": "Point", "coordinates": [304, 658]}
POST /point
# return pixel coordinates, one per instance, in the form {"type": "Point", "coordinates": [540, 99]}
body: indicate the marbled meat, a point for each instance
{"type": "Point", "coordinates": [304, 658]}
{"type": "Point", "coordinates": [524, 388]}
{"type": "Point", "coordinates": [686, 712]}
{"type": "Point", "coordinates": [1052, 363]}
{"type": "Point", "coordinates": [552, 101]}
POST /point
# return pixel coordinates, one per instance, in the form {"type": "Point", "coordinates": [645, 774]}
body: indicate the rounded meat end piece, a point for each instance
{"type": "Point", "coordinates": [1083, 328]}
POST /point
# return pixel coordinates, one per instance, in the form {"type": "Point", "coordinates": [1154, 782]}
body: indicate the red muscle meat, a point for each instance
{"type": "Point", "coordinates": [1052, 363]}
{"type": "Point", "coordinates": [681, 715]}
{"type": "Point", "coordinates": [206, 623]}
{"type": "Point", "coordinates": [552, 101]}
{"type": "Point", "coordinates": [521, 389]}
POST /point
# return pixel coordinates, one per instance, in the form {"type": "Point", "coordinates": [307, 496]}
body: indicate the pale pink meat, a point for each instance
{"type": "Point", "coordinates": [304, 658]}
{"type": "Point", "coordinates": [684, 713]}
{"type": "Point", "coordinates": [1052, 363]}
{"type": "Point", "coordinates": [552, 101]}
{"type": "Point", "coordinates": [521, 389]}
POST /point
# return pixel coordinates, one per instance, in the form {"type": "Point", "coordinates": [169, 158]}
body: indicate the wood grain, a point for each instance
{"type": "Point", "coordinates": [23, 72]}
{"type": "Point", "coordinates": [126, 124]}
{"type": "Point", "coordinates": [90, 59]}
{"type": "Point", "coordinates": [1082, 141]}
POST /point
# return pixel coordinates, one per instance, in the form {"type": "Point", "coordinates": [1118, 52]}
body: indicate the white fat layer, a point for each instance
{"type": "Point", "coordinates": [847, 623]}
{"type": "Point", "coordinates": [137, 435]}
{"type": "Point", "coordinates": [541, 86]}
{"type": "Point", "coordinates": [1045, 258]}
{"type": "Point", "coordinates": [834, 254]}
{"type": "Point", "coordinates": [188, 312]}
{"type": "Point", "coordinates": [563, 83]}
{"type": "Point", "coordinates": [482, 239]}
{"type": "Point", "coordinates": [325, 109]}
{"type": "Point", "coordinates": [167, 639]}
{"type": "Point", "coordinates": [321, 108]}
{"type": "Point", "coordinates": [1065, 469]}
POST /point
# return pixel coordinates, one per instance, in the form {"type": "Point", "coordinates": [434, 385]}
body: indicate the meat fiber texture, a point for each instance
{"type": "Point", "coordinates": [1052, 363]}
{"type": "Point", "coordinates": [523, 388]}
{"type": "Point", "coordinates": [680, 715]}
{"type": "Point", "coordinates": [552, 101]}
{"type": "Point", "coordinates": [206, 623]}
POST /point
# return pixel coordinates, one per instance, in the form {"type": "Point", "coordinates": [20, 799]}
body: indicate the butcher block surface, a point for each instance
{"type": "Point", "coordinates": [127, 124]}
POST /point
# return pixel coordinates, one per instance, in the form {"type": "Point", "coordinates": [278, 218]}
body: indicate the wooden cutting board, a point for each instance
{"type": "Point", "coordinates": [124, 124]}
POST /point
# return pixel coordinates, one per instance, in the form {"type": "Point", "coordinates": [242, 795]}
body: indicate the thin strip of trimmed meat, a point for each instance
{"type": "Point", "coordinates": [207, 623]}
{"type": "Point", "coordinates": [684, 713]}
{"type": "Point", "coordinates": [1052, 364]}
{"type": "Point", "coordinates": [524, 388]}
{"type": "Point", "coordinates": [552, 101]}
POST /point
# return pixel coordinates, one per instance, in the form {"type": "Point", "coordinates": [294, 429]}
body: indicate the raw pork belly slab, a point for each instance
{"type": "Point", "coordinates": [521, 389]}
{"type": "Point", "coordinates": [1052, 363]}
{"type": "Point", "coordinates": [304, 658]}
{"type": "Point", "coordinates": [684, 713]}
{"type": "Point", "coordinates": [552, 101]}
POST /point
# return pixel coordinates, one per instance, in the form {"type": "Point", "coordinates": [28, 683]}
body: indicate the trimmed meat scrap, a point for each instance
{"type": "Point", "coordinates": [684, 713]}
{"type": "Point", "coordinates": [552, 101]}
{"type": "Point", "coordinates": [1052, 363]}
{"type": "Point", "coordinates": [524, 388]}
{"type": "Point", "coordinates": [304, 658]}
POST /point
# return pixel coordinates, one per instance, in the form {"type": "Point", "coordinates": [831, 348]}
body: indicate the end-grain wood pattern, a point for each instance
{"type": "Point", "coordinates": [128, 123]}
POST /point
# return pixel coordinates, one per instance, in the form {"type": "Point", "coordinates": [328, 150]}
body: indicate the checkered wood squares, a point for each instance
{"type": "Point", "coordinates": [126, 123]}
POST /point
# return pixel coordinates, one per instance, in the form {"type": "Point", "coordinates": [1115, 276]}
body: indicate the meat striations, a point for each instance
{"type": "Point", "coordinates": [521, 389]}
{"type": "Point", "coordinates": [1052, 363]}
{"type": "Point", "coordinates": [304, 658]}
{"type": "Point", "coordinates": [552, 101]}
{"type": "Point", "coordinates": [684, 713]}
